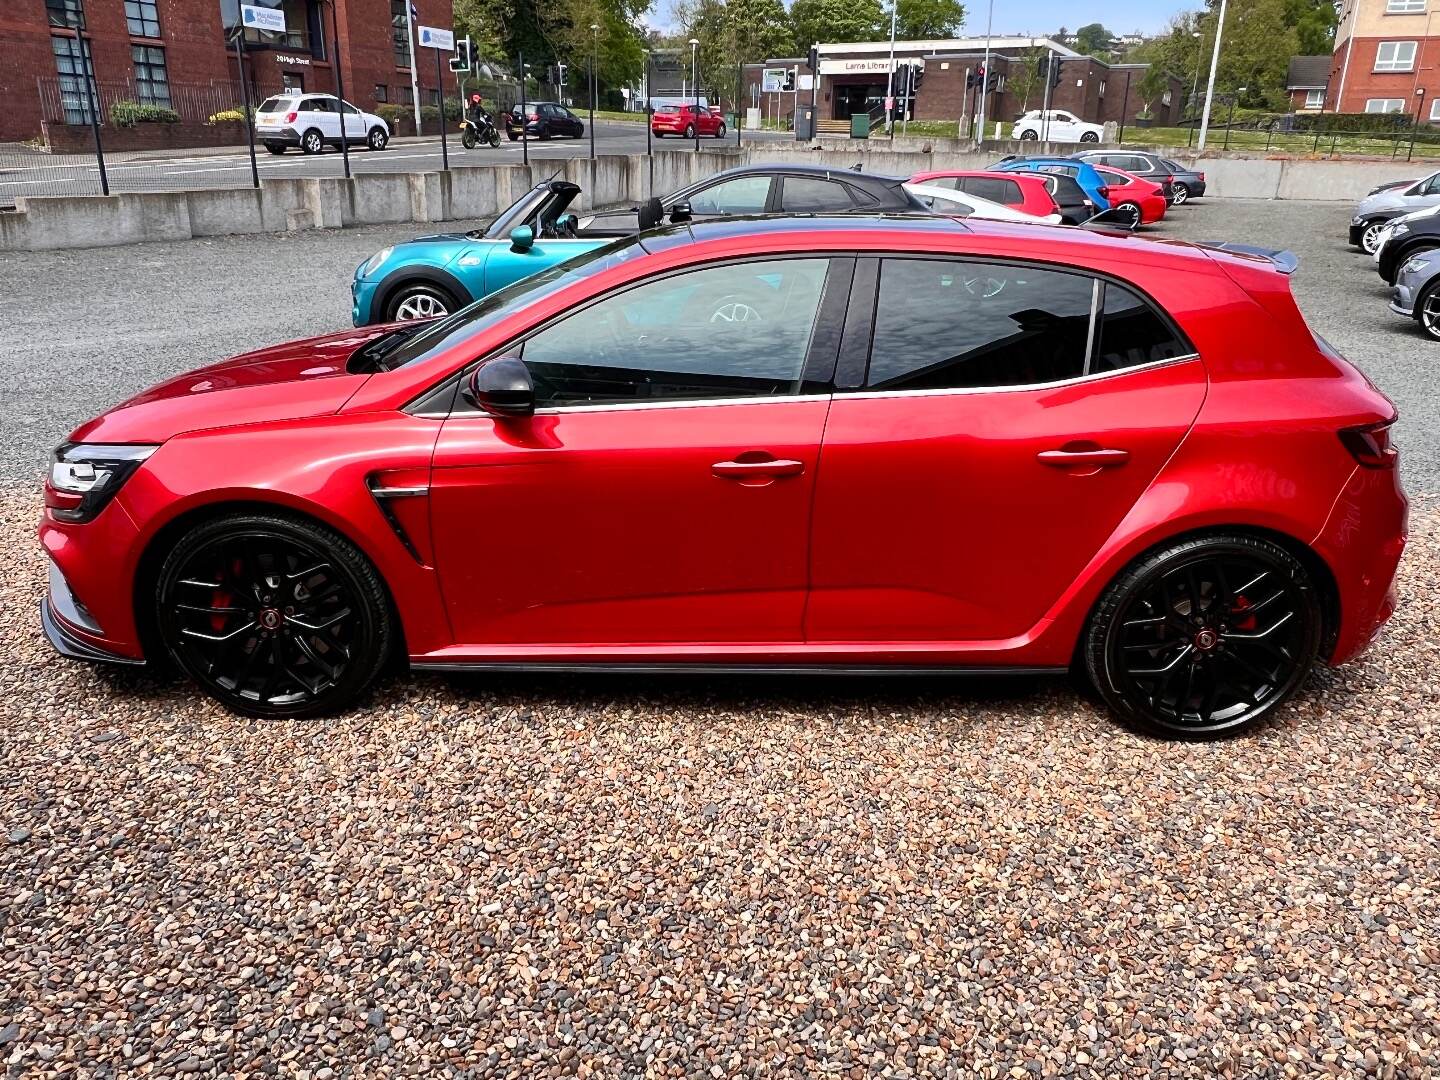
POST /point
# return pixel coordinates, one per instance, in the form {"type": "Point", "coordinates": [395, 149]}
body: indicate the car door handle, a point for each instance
{"type": "Point", "coordinates": [769, 469]}
{"type": "Point", "coordinates": [1099, 457]}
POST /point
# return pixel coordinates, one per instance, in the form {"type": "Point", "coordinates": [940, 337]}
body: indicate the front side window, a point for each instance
{"type": "Point", "coordinates": [1395, 56]}
{"type": "Point", "coordinates": [67, 13]}
{"type": "Point", "coordinates": [734, 330]}
{"type": "Point", "coordinates": [949, 324]}
{"type": "Point", "coordinates": [71, 67]}
{"type": "Point", "coordinates": [152, 84]}
{"type": "Point", "coordinates": [142, 19]}
{"type": "Point", "coordinates": [804, 194]}
{"type": "Point", "coordinates": [742, 195]}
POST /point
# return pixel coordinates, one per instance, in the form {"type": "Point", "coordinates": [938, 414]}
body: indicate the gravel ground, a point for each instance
{"type": "Point", "coordinates": [642, 877]}
{"type": "Point", "coordinates": [87, 328]}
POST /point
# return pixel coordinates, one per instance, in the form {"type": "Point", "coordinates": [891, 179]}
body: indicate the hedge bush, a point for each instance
{"type": "Point", "coordinates": [1352, 122]}
{"type": "Point", "coordinates": [127, 114]}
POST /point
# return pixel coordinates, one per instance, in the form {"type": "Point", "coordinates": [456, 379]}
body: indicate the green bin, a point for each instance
{"type": "Point", "coordinates": [860, 126]}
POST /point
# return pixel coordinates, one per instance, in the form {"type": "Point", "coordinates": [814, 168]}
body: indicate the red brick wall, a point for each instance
{"type": "Point", "coordinates": [1363, 82]}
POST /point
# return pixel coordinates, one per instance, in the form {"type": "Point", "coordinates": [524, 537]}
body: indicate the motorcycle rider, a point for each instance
{"type": "Point", "coordinates": [476, 114]}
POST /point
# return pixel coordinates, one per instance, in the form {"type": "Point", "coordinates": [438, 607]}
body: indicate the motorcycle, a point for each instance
{"type": "Point", "coordinates": [472, 135]}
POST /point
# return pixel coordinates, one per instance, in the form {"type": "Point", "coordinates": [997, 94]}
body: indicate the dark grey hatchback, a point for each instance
{"type": "Point", "coordinates": [1180, 182]}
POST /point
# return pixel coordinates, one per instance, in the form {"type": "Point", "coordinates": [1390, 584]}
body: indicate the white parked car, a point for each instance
{"type": "Point", "coordinates": [312, 122]}
{"type": "Point", "coordinates": [944, 200]}
{"type": "Point", "coordinates": [1384, 205]}
{"type": "Point", "coordinates": [1057, 125]}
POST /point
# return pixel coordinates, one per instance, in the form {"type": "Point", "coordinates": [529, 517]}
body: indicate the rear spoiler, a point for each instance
{"type": "Point", "coordinates": [1284, 261]}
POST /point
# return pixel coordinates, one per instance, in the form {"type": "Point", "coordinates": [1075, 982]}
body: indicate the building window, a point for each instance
{"type": "Point", "coordinates": [1395, 56]}
{"type": "Point", "coordinates": [66, 13]}
{"type": "Point", "coordinates": [302, 29]}
{"type": "Point", "coordinates": [1435, 110]}
{"type": "Point", "coordinates": [1405, 7]}
{"type": "Point", "coordinates": [292, 82]}
{"type": "Point", "coordinates": [152, 85]}
{"type": "Point", "coordinates": [400, 33]}
{"type": "Point", "coordinates": [74, 95]}
{"type": "Point", "coordinates": [142, 18]}
{"type": "Point", "coordinates": [382, 92]}
{"type": "Point", "coordinates": [1385, 105]}
{"type": "Point", "coordinates": [1314, 99]}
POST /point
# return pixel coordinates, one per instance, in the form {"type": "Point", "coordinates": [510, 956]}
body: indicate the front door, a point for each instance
{"type": "Point", "coordinates": [661, 493]}
{"type": "Point", "coordinates": [1010, 418]}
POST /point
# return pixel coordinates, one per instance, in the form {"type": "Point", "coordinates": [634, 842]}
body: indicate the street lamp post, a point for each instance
{"type": "Point", "coordinates": [594, 62]}
{"type": "Point", "coordinates": [985, 73]}
{"type": "Point", "coordinates": [1210, 85]}
{"type": "Point", "coordinates": [890, 75]}
{"type": "Point", "coordinates": [1194, 83]}
{"type": "Point", "coordinates": [695, 78]}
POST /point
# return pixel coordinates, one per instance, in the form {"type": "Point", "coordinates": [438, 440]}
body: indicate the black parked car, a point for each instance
{"type": "Point", "coordinates": [1409, 237]}
{"type": "Point", "coordinates": [544, 119]}
{"type": "Point", "coordinates": [767, 189]}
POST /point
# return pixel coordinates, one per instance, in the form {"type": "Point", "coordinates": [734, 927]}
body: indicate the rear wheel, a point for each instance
{"type": "Point", "coordinates": [1205, 637]}
{"type": "Point", "coordinates": [720, 132]}
{"type": "Point", "coordinates": [511, 135]}
{"type": "Point", "coordinates": [1427, 310]}
{"type": "Point", "coordinates": [1029, 135]}
{"type": "Point", "coordinates": [275, 147]}
{"type": "Point", "coordinates": [312, 142]}
{"type": "Point", "coordinates": [273, 616]}
{"type": "Point", "coordinates": [420, 300]}
{"type": "Point", "coordinates": [544, 133]}
{"type": "Point", "coordinates": [1131, 212]}
{"type": "Point", "coordinates": [689, 131]}
{"type": "Point", "coordinates": [1182, 194]}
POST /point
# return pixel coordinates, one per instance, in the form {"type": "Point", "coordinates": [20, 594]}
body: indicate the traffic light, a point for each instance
{"type": "Point", "coordinates": [973, 79]}
{"type": "Point", "coordinates": [464, 58]}
{"type": "Point", "coordinates": [560, 70]}
{"type": "Point", "coordinates": [902, 81]}
{"type": "Point", "coordinates": [917, 76]}
{"type": "Point", "coordinates": [1054, 71]}
{"type": "Point", "coordinates": [789, 84]}
{"type": "Point", "coordinates": [813, 60]}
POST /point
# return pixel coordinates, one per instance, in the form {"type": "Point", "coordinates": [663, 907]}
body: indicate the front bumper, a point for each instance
{"type": "Point", "coordinates": [67, 643]}
{"type": "Point", "coordinates": [362, 296]}
{"type": "Point", "coordinates": [1402, 300]}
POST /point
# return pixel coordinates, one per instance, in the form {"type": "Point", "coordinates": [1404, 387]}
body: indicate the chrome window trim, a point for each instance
{"type": "Point", "coordinates": [1019, 387]}
{"type": "Point", "coordinates": [630, 406]}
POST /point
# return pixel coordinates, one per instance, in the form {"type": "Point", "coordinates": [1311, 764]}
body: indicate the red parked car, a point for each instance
{"type": "Point", "coordinates": [1145, 199]}
{"type": "Point", "coordinates": [672, 118]}
{"type": "Point", "coordinates": [855, 443]}
{"type": "Point", "coordinates": [1028, 194]}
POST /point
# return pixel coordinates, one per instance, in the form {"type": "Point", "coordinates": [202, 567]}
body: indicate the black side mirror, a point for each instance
{"type": "Point", "coordinates": [650, 214]}
{"type": "Point", "coordinates": [680, 212]}
{"type": "Point", "coordinates": [502, 387]}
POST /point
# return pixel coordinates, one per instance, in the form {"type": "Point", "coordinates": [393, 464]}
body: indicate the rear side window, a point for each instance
{"type": "Point", "coordinates": [1131, 332]}
{"type": "Point", "coordinates": [995, 188]}
{"type": "Point", "coordinates": [276, 104]}
{"type": "Point", "coordinates": [948, 324]}
{"type": "Point", "coordinates": [802, 194]}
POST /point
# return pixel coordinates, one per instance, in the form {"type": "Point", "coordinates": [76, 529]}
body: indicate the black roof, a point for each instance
{"type": "Point", "coordinates": [850, 176]}
{"type": "Point", "coordinates": [1308, 72]}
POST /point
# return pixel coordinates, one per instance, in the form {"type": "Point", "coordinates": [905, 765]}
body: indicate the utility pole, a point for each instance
{"type": "Point", "coordinates": [890, 75]}
{"type": "Point", "coordinates": [1210, 86]}
{"type": "Point", "coordinates": [985, 68]}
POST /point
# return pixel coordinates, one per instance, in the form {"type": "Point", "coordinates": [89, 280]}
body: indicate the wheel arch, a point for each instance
{"type": "Point", "coordinates": [163, 540]}
{"type": "Point", "coordinates": [412, 272]}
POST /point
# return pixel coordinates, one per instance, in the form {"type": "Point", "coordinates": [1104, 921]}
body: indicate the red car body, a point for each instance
{"type": "Point", "coordinates": [675, 119]}
{"type": "Point", "coordinates": [1028, 194]}
{"type": "Point", "coordinates": [875, 530]}
{"type": "Point", "coordinates": [1123, 188]}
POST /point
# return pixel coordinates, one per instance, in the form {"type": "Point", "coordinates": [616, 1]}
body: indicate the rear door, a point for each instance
{"type": "Point", "coordinates": [1008, 419]}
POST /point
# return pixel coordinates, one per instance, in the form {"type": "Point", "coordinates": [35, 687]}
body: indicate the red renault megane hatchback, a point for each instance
{"type": "Point", "coordinates": [878, 445]}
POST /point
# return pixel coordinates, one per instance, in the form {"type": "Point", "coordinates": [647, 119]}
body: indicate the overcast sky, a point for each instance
{"type": "Point", "coordinates": [1039, 16]}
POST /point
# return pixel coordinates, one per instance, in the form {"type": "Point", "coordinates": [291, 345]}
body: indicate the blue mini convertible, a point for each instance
{"type": "Point", "coordinates": [435, 275]}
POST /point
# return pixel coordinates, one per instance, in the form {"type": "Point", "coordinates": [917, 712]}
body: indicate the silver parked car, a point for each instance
{"type": "Point", "coordinates": [1380, 206]}
{"type": "Point", "coordinates": [1417, 291]}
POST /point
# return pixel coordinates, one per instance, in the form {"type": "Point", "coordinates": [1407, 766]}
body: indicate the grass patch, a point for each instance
{"type": "Point", "coordinates": [1369, 144]}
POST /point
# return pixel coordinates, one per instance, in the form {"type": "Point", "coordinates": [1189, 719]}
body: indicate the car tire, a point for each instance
{"type": "Point", "coordinates": [312, 142]}
{"type": "Point", "coordinates": [377, 139]}
{"type": "Point", "coordinates": [1133, 209]}
{"type": "Point", "coordinates": [276, 147]}
{"type": "Point", "coordinates": [420, 300]}
{"type": "Point", "coordinates": [544, 133]}
{"type": "Point", "coordinates": [1029, 135]}
{"type": "Point", "coordinates": [301, 624]}
{"type": "Point", "coordinates": [1427, 310]}
{"type": "Point", "coordinates": [1370, 235]}
{"type": "Point", "coordinates": [511, 135]}
{"type": "Point", "coordinates": [689, 131]}
{"type": "Point", "coordinates": [1089, 136]}
{"type": "Point", "coordinates": [720, 132]}
{"type": "Point", "coordinates": [579, 131]}
{"type": "Point", "coordinates": [1182, 194]}
{"type": "Point", "coordinates": [1230, 624]}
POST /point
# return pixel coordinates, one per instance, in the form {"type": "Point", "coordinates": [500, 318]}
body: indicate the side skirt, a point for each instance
{"type": "Point", "coordinates": [622, 668]}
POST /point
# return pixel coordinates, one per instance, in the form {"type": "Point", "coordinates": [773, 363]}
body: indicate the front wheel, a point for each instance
{"type": "Point", "coordinates": [419, 300]}
{"type": "Point", "coordinates": [377, 139]}
{"type": "Point", "coordinates": [720, 132]}
{"type": "Point", "coordinates": [1370, 236]}
{"type": "Point", "coordinates": [1029, 135]}
{"type": "Point", "coordinates": [689, 131]}
{"type": "Point", "coordinates": [1182, 194]}
{"type": "Point", "coordinates": [511, 135]}
{"type": "Point", "coordinates": [312, 142]}
{"type": "Point", "coordinates": [494, 139]}
{"type": "Point", "coordinates": [1089, 136]}
{"type": "Point", "coordinates": [1427, 310]}
{"type": "Point", "coordinates": [273, 616]}
{"type": "Point", "coordinates": [1204, 637]}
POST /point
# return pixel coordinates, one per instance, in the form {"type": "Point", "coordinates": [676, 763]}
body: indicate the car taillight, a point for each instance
{"type": "Point", "coordinates": [533, 116]}
{"type": "Point", "coordinates": [1369, 444]}
{"type": "Point", "coordinates": [1104, 191]}
{"type": "Point", "coordinates": [290, 117]}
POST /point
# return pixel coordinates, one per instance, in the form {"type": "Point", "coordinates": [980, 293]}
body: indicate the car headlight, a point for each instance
{"type": "Point", "coordinates": [84, 478]}
{"type": "Point", "coordinates": [1413, 266]}
{"type": "Point", "coordinates": [1357, 220]}
{"type": "Point", "coordinates": [1399, 229]}
{"type": "Point", "coordinates": [373, 263]}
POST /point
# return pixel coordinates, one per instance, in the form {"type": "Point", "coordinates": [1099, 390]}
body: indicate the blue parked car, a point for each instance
{"type": "Point", "coordinates": [435, 275]}
{"type": "Point", "coordinates": [1083, 172]}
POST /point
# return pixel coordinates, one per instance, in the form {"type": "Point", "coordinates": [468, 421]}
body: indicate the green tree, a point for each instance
{"type": "Point", "coordinates": [1314, 23]}
{"type": "Point", "coordinates": [837, 20]}
{"type": "Point", "coordinates": [1026, 78]}
{"type": "Point", "coordinates": [559, 30]}
{"type": "Point", "coordinates": [926, 20]}
{"type": "Point", "coordinates": [1093, 39]}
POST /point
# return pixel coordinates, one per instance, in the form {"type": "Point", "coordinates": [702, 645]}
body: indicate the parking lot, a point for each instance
{"type": "Point", "coordinates": [637, 876]}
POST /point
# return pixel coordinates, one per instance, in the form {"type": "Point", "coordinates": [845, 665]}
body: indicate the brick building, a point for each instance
{"type": "Point", "coordinates": [1387, 59]}
{"type": "Point", "coordinates": [174, 53]}
{"type": "Point", "coordinates": [1306, 80]}
{"type": "Point", "coordinates": [853, 76]}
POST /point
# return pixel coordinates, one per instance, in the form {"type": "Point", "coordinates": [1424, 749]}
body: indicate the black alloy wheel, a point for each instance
{"type": "Point", "coordinates": [1131, 212]}
{"type": "Point", "coordinates": [273, 616]}
{"type": "Point", "coordinates": [1206, 637]}
{"type": "Point", "coordinates": [1427, 310]}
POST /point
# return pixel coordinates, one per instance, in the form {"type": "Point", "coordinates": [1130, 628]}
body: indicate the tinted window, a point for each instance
{"type": "Point", "coordinates": [952, 324]}
{"type": "Point", "coordinates": [1059, 170]}
{"type": "Point", "coordinates": [317, 105]}
{"type": "Point", "coordinates": [736, 330]}
{"type": "Point", "coordinates": [1132, 333]}
{"type": "Point", "coordinates": [742, 195]}
{"type": "Point", "coordinates": [801, 194]}
{"type": "Point", "coordinates": [995, 189]}
{"type": "Point", "coordinates": [954, 183]}
{"type": "Point", "coordinates": [275, 104]}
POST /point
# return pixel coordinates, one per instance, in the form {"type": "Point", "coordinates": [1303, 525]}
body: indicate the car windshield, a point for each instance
{"type": "Point", "coordinates": [406, 346]}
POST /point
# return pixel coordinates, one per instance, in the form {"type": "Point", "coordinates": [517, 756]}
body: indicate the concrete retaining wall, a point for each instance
{"type": "Point", "coordinates": [470, 193]}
